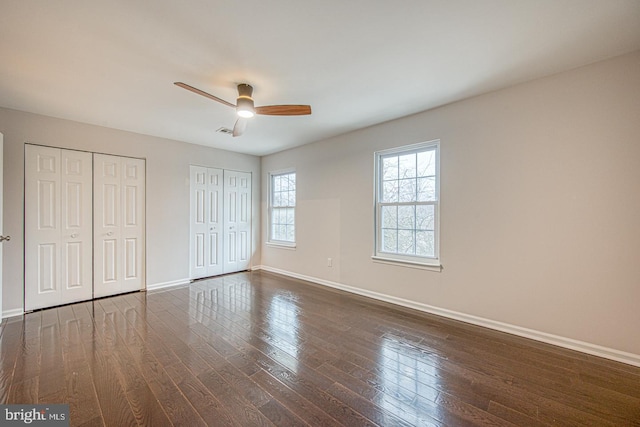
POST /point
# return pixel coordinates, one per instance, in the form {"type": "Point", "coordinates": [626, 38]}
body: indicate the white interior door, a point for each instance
{"type": "Point", "coordinates": [206, 225]}
{"type": "Point", "coordinates": [119, 225]}
{"type": "Point", "coordinates": [237, 221]}
{"type": "Point", "coordinates": [58, 238]}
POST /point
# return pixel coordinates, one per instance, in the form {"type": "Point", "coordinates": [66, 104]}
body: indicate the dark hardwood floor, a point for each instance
{"type": "Point", "coordinates": [261, 349]}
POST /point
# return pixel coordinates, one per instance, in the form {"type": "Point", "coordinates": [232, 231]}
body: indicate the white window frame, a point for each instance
{"type": "Point", "coordinates": [270, 240]}
{"type": "Point", "coordinates": [416, 261]}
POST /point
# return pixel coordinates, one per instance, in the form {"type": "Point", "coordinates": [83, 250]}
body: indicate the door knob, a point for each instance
{"type": "Point", "coordinates": [110, 233]}
{"type": "Point", "coordinates": [74, 235]}
{"type": "Point", "coordinates": [3, 238]}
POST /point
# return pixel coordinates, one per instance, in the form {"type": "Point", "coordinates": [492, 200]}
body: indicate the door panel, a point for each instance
{"type": "Point", "coordinates": [119, 233]}
{"type": "Point", "coordinates": [108, 260]}
{"type": "Point", "coordinates": [73, 267]}
{"type": "Point", "coordinates": [237, 221]}
{"type": "Point", "coordinates": [58, 241]}
{"type": "Point", "coordinates": [47, 271]}
{"type": "Point", "coordinates": [76, 226]}
{"type": "Point", "coordinates": [198, 252]}
{"type": "Point", "coordinates": [214, 226]}
{"type": "Point", "coordinates": [106, 231]}
{"type": "Point", "coordinates": [133, 232]}
{"type": "Point", "coordinates": [206, 186]}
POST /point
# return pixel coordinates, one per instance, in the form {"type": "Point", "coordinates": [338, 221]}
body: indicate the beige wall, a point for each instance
{"type": "Point", "coordinates": [540, 206]}
{"type": "Point", "coordinates": [167, 190]}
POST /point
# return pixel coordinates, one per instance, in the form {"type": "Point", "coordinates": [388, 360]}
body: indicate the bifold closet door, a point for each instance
{"type": "Point", "coordinates": [206, 224]}
{"type": "Point", "coordinates": [118, 224]}
{"type": "Point", "coordinates": [237, 221]}
{"type": "Point", "coordinates": [220, 221]}
{"type": "Point", "coordinates": [58, 238]}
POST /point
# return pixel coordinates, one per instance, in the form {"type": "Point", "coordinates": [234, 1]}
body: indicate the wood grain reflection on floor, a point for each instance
{"type": "Point", "coordinates": [262, 349]}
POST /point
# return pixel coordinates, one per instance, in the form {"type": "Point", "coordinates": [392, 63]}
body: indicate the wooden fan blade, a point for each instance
{"type": "Point", "coordinates": [203, 93]}
{"type": "Point", "coordinates": [284, 110]}
{"type": "Point", "coordinates": [240, 126]}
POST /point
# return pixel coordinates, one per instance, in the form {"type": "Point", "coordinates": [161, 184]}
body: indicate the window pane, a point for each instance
{"type": "Point", "coordinates": [290, 236]}
{"type": "Point", "coordinates": [389, 216]}
{"type": "Point", "coordinates": [291, 198]}
{"type": "Point", "coordinates": [277, 199]}
{"type": "Point", "coordinates": [282, 232]}
{"type": "Point", "coordinates": [390, 192]}
{"type": "Point", "coordinates": [427, 163]}
{"type": "Point", "coordinates": [425, 217]}
{"type": "Point", "coordinates": [427, 189]}
{"type": "Point", "coordinates": [405, 242]}
{"type": "Point", "coordinates": [389, 168]}
{"type": "Point", "coordinates": [407, 166]}
{"type": "Point", "coordinates": [277, 186]}
{"type": "Point", "coordinates": [407, 190]}
{"type": "Point", "coordinates": [406, 217]}
{"type": "Point", "coordinates": [425, 243]}
{"type": "Point", "coordinates": [290, 216]}
{"type": "Point", "coordinates": [389, 240]}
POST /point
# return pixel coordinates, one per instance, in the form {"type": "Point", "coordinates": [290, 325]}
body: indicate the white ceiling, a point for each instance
{"type": "Point", "coordinates": [356, 62]}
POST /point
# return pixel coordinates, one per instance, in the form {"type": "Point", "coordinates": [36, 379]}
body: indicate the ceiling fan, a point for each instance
{"type": "Point", "coordinates": [245, 108]}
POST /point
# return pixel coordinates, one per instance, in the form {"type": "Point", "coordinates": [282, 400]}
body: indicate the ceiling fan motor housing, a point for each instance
{"type": "Point", "coordinates": [245, 90]}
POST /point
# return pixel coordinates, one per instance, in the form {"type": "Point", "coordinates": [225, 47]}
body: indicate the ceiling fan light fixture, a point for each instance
{"type": "Point", "coordinates": [245, 107]}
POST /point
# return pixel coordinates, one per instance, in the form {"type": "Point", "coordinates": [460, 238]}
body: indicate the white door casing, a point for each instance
{"type": "Point", "coordinates": [205, 222]}
{"type": "Point", "coordinates": [58, 238]}
{"type": "Point", "coordinates": [119, 225]}
{"type": "Point", "coordinates": [237, 221]}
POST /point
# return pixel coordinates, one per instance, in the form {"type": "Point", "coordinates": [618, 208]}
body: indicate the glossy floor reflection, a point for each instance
{"type": "Point", "coordinates": [261, 349]}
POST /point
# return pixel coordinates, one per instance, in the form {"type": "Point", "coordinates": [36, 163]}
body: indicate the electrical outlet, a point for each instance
{"type": "Point", "coordinates": [329, 262]}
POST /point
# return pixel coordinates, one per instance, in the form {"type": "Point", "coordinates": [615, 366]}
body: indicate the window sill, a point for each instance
{"type": "Point", "coordinates": [405, 263]}
{"type": "Point", "coordinates": [282, 245]}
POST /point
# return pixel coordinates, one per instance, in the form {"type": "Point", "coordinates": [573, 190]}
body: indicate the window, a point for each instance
{"type": "Point", "coordinates": [407, 204]}
{"type": "Point", "coordinates": [282, 208]}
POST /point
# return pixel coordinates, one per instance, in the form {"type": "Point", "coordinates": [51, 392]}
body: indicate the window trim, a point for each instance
{"type": "Point", "coordinates": [284, 244]}
{"type": "Point", "coordinates": [415, 261]}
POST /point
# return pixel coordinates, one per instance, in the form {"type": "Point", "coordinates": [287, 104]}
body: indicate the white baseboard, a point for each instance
{"type": "Point", "coordinates": [12, 313]}
{"type": "Point", "coordinates": [162, 285]}
{"type": "Point", "coordinates": [584, 347]}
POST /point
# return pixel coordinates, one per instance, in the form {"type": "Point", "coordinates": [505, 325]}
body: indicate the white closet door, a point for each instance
{"type": "Point", "coordinates": [214, 221]}
{"type": "Point", "coordinates": [237, 221]}
{"type": "Point", "coordinates": [206, 224]}
{"type": "Point", "coordinates": [119, 230]}
{"type": "Point", "coordinates": [133, 224]}
{"type": "Point", "coordinates": [58, 240]}
{"type": "Point", "coordinates": [77, 237]}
